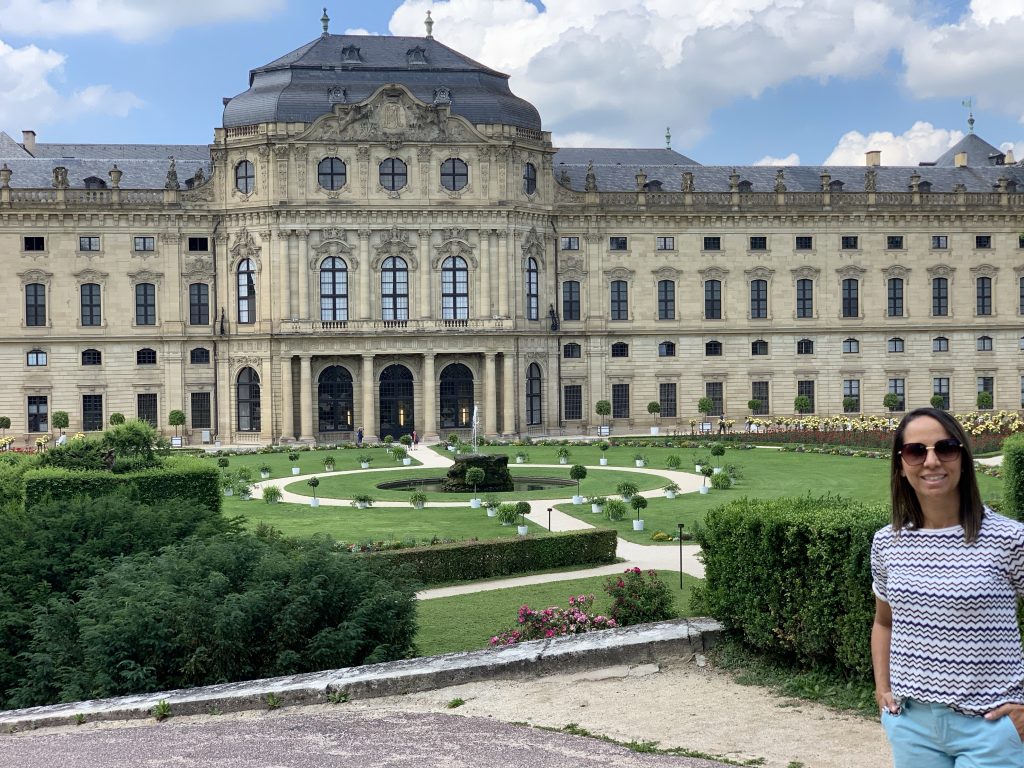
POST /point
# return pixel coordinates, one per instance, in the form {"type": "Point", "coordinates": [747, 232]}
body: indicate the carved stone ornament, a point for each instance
{"type": "Point", "coordinates": [780, 183]}
{"type": "Point", "coordinates": [454, 243]}
{"type": "Point", "coordinates": [172, 177]}
{"type": "Point", "coordinates": [91, 276]}
{"type": "Point", "coordinates": [667, 273]}
{"type": "Point", "coordinates": [533, 247]}
{"type": "Point", "coordinates": [946, 271]}
{"type": "Point", "coordinates": [713, 273]}
{"type": "Point", "coordinates": [244, 248]}
{"type": "Point", "coordinates": [203, 194]}
{"type": "Point", "coordinates": [619, 273]}
{"type": "Point", "coordinates": [395, 243]}
{"type": "Point", "coordinates": [851, 271]}
{"type": "Point", "coordinates": [333, 243]}
{"type": "Point", "coordinates": [60, 177]}
{"type": "Point", "coordinates": [198, 267]}
{"type": "Point", "coordinates": [985, 270]}
{"type": "Point", "coordinates": [759, 273]}
{"type": "Point", "coordinates": [145, 276]}
{"type": "Point", "coordinates": [870, 180]}
{"type": "Point", "coordinates": [244, 361]}
{"type": "Point", "coordinates": [590, 184]}
{"type": "Point", "coordinates": [805, 273]}
{"type": "Point", "coordinates": [572, 264]}
{"type": "Point", "coordinates": [35, 276]}
{"type": "Point", "coordinates": [687, 183]}
{"type": "Point", "coordinates": [896, 270]}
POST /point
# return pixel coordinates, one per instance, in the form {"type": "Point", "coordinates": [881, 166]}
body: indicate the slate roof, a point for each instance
{"type": "Point", "coordinates": [182, 153]}
{"type": "Point", "coordinates": [294, 88]}
{"type": "Point", "coordinates": [979, 152]}
{"type": "Point", "coordinates": [621, 156]}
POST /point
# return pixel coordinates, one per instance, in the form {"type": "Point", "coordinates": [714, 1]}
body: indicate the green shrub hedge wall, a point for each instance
{"type": "Point", "coordinates": [1013, 477]}
{"type": "Point", "coordinates": [179, 478]}
{"type": "Point", "coordinates": [483, 559]}
{"type": "Point", "coordinates": [792, 577]}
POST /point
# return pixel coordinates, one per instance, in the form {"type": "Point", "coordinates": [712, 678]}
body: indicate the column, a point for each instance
{"type": "Point", "coordinates": [365, 298]}
{"type": "Point", "coordinates": [369, 419]}
{"type": "Point", "coordinates": [429, 398]}
{"type": "Point", "coordinates": [490, 402]}
{"type": "Point", "coordinates": [287, 405]}
{"type": "Point", "coordinates": [306, 398]}
{"type": "Point", "coordinates": [485, 273]}
{"type": "Point", "coordinates": [503, 266]}
{"type": "Point", "coordinates": [269, 300]}
{"type": "Point", "coordinates": [284, 271]}
{"type": "Point", "coordinates": [225, 395]}
{"type": "Point", "coordinates": [426, 277]}
{"type": "Point", "coordinates": [303, 272]}
{"type": "Point", "coordinates": [508, 394]}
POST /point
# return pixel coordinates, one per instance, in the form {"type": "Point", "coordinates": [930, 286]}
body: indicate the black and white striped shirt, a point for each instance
{"type": "Point", "coordinates": [955, 639]}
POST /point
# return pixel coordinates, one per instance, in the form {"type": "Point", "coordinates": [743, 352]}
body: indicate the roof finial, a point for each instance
{"type": "Point", "coordinates": [325, 20]}
{"type": "Point", "coordinates": [429, 24]}
{"type": "Point", "coordinates": [668, 138]}
{"type": "Point", "coordinates": [970, 114]}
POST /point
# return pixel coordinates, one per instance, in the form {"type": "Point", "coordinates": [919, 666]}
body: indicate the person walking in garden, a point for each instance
{"type": "Point", "coordinates": [947, 573]}
{"type": "Point", "coordinates": [359, 438]}
{"type": "Point", "coordinates": [415, 439]}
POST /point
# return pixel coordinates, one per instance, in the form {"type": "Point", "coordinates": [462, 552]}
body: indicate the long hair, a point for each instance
{"type": "Point", "coordinates": [906, 508]}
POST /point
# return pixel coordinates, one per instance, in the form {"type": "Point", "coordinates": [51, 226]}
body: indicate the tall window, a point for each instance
{"type": "Point", "coordinates": [620, 401]}
{"type": "Point", "coordinates": [851, 390]}
{"type": "Point", "coordinates": [895, 296]}
{"type": "Point", "coordinates": [201, 412]}
{"type": "Point", "coordinates": [145, 304]}
{"type": "Point", "coordinates": [91, 315]}
{"type": "Point", "coordinates": [331, 173]}
{"type": "Point", "coordinates": [394, 289]}
{"type": "Point", "coordinates": [666, 299]}
{"type": "Point", "coordinates": [454, 174]}
{"type": "Point", "coordinates": [572, 402]}
{"type": "Point", "coordinates": [987, 384]}
{"type": "Point", "coordinates": [851, 297]}
{"type": "Point", "coordinates": [898, 388]}
{"type": "Point", "coordinates": [199, 304]}
{"type": "Point", "coordinates": [92, 413]}
{"type": "Point", "coordinates": [667, 399]}
{"type": "Point", "coordinates": [1020, 296]}
{"type": "Point", "coordinates": [712, 299]}
{"type": "Point", "coordinates": [714, 390]}
{"type": "Point", "coordinates": [940, 386]}
{"type": "Point", "coordinates": [245, 177]}
{"type": "Point", "coordinates": [940, 297]}
{"type": "Point", "coordinates": [529, 178]}
{"type": "Point", "coordinates": [35, 304]}
{"type": "Point", "coordinates": [532, 290]}
{"type": "Point", "coordinates": [758, 299]}
{"type": "Point", "coordinates": [246, 292]}
{"type": "Point", "coordinates": [454, 289]}
{"type": "Point", "coordinates": [393, 174]}
{"type": "Point", "coordinates": [620, 300]}
{"type": "Point", "coordinates": [38, 414]}
{"type": "Point", "coordinates": [806, 388]}
{"type": "Point", "coordinates": [145, 407]}
{"type": "Point", "coordinates": [984, 295]}
{"type": "Point", "coordinates": [759, 392]}
{"type": "Point", "coordinates": [570, 300]}
{"type": "Point", "coordinates": [334, 404]}
{"type": "Point", "coordinates": [804, 298]}
{"type": "Point", "coordinates": [333, 289]}
{"type": "Point", "coordinates": [533, 397]}
{"type": "Point", "coordinates": [248, 401]}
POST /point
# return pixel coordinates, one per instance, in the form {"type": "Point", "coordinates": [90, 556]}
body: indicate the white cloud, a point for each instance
{"type": "Point", "coordinates": [791, 159]}
{"type": "Point", "coordinates": [923, 142]}
{"type": "Point", "coordinates": [131, 20]}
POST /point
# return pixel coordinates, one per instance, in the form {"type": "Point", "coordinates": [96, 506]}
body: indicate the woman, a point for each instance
{"type": "Point", "coordinates": [946, 649]}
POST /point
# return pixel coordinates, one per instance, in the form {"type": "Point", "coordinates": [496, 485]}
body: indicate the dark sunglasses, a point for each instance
{"type": "Point", "coordinates": [945, 450]}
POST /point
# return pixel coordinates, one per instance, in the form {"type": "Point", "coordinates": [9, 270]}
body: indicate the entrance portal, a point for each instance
{"type": "Point", "coordinates": [396, 405]}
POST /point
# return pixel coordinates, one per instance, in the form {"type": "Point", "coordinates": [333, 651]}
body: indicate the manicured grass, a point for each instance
{"type": "Point", "coordinates": [588, 455]}
{"type": "Point", "coordinates": [468, 622]}
{"type": "Point", "coordinates": [310, 462]}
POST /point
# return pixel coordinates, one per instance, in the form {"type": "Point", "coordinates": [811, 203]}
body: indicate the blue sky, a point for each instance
{"type": "Point", "coordinates": [738, 81]}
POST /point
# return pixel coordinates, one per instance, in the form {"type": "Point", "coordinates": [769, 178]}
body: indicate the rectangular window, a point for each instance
{"type": "Point", "coordinates": [570, 300]}
{"type": "Point", "coordinates": [92, 413]}
{"type": "Point", "coordinates": [987, 384]}
{"type": "Point", "coordinates": [758, 299]}
{"type": "Point", "coordinates": [851, 297]}
{"type": "Point", "coordinates": [90, 304]}
{"type": "Point", "coordinates": [712, 243]}
{"type": "Point", "coordinates": [145, 304]}
{"type": "Point", "coordinates": [759, 243]}
{"type": "Point", "coordinates": [88, 243]}
{"type": "Point", "coordinates": [712, 300]}
{"type": "Point", "coordinates": [146, 408]}
{"type": "Point", "coordinates": [34, 243]}
{"type": "Point", "coordinates": [714, 390]}
{"type": "Point", "coordinates": [35, 304]}
{"type": "Point", "coordinates": [573, 402]}
{"type": "Point", "coordinates": [666, 300]}
{"type": "Point", "coordinates": [805, 298]}
{"type": "Point", "coordinates": [759, 392]}
{"type": "Point", "coordinates": [618, 243]}
{"type": "Point", "coordinates": [940, 243]}
{"type": "Point", "coordinates": [898, 387]}
{"type": "Point", "coordinates": [804, 243]}
{"type": "Point", "coordinates": [667, 400]}
{"type": "Point", "coordinates": [620, 300]}
{"type": "Point", "coordinates": [894, 242]}
{"type": "Point", "coordinates": [940, 297]}
{"type": "Point", "coordinates": [620, 401]}
{"type": "Point", "coordinates": [851, 391]}
{"type": "Point", "coordinates": [199, 304]}
{"type": "Point", "coordinates": [849, 242]}
{"type": "Point", "coordinates": [145, 243]}
{"type": "Point", "coordinates": [201, 413]}
{"type": "Point", "coordinates": [983, 242]}
{"type": "Point", "coordinates": [806, 388]}
{"type": "Point", "coordinates": [200, 244]}
{"type": "Point", "coordinates": [940, 386]}
{"type": "Point", "coordinates": [665, 243]}
{"type": "Point", "coordinates": [984, 295]}
{"type": "Point", "coordinates": [38, 414]}
{"type": "Point", "coordinates": [895, 296]}
{"type": "Point", "coordinates": [569, 243]}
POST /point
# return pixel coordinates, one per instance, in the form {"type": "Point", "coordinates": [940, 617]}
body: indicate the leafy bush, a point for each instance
{"type": "Point", "coordinates": [615, 509]}
{"type": "Point", "coordinates": [1013, 476]}
{"type": "Point", "coordinates": [223, 462]}
{"type": "Point", "coordinates": [134, 439]}
{"type": "Point", "coordinates": [74, 454]}
{"type": "Point", "coordinates": [721, 481]}
{"type": "Point", "coordinates": [673, 462]}
{"type": "Point", "coordinates": [554, 622]}
{"type": "Point", "coordinates": [792, 577]}
{"type": "Point", "coordinates": [271, 494]}
{"type": "Point", "coordinates": [717, 449]}
{"type": "Point", "coordinates": [638, 598]}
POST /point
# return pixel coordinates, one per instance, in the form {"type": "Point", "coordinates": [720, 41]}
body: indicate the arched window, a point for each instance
{"type": "Point", "coordinates": [199, 356]}
{"type": "Point", "coordinates": [620, 349]}
{"type": "Point", "coordinates": [851, 297]}
{"type": "Point", "coordinates": [456, 397]}
{"type": "Point", "coordinates": [247, 292]}
{"type": "Point", "coordinates": [454, 174]}
{"type": "Point", "coordinates": [759, 347]}
{"type": "Point", "coordinates": [35, 357]}
{"type": "Point", "coordinates": [245, 177]}
{"type": "Point", "coordinates": [620, 300]}
{"type": "Point", "coordinates": [248, 401]}
{"type": "Point", "coordinates": [573, 351]}
{"type": "Point", "coordinates": [666, 349]}
{"type": "Point", "coordinates": [895, 344]}
{"type": "Point", "coordinates": [334, 400]}
{"type": "Point", "coordinates": [533, 397]}
{"type": "Point", "coordinates": [532, 289]}
{"type": "Point", "coordinates": [984, 344]}
{"type": "Point", "coordinates": [454, 289]}
{"type": "Point", "coordinates": [331, 173]}
{"type": "Point", "coordinates": [851, 346]}
{"type": "Point", "coordinates": [91, 357]}
{"type": "Point", "coordinates": [393, 174]}
{"type": "Point", "coordinates": [394, 289]}
{"type": "Point", "coordinates": [805, 347]}
{"type": "Point", "coordinates": [529, 178]}
{"type": "Point", "coordinates": [145, 356]}
{"type": "Point", "coordinates": [333, 289]}
{"type": "Point", "coordinates": [712, 299]}
{"type": "Point", "coordinates": [571, 300]}
{"type": "Point", "coordinates": [713, 348]}
{"type": "Point", "coordinates": [940, 344]}
{"type": "Point", "coordinates": [666, 299]}
{"type": "Point", "coordinates": [758, 299]}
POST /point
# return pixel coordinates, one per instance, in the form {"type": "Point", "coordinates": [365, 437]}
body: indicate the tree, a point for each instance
{"type": "Point", "coordinates": [654, 408]}
{"type": "Point", "coordinates": [938, 401]}
{"type": "Point", "coordinates": [639, 503]}
{"type": "Point", "coordinates": [132, 440]}
{"type": "Point", "coordinates": [801, 404]}
{"type": "Point", "coordinates": [313, 482]}
{"type": "Point", "coordinates": [577, 472]}
{"type": "Point", "coordinates": [754, 405]}
{"type": "Point", "coordinates": [61, 420]}
{"type": "Point", "coordinates": [603, 408]}
{"type": "Point", "coordinates": [850, 404]}
{"type": "Point", "coordinates": [116, 418]}
{"type": "Point", "coordinates": [475, 476]}
{"type": "Point", "coordinates": [891, 401]}
{"type": "Point", "coordinates": [176, 419]}
{"type": "Point", "coordinates": [984, 400]}
{"type": "Point", "coordinates": [522, 510]}
{"type": "Point", "coordinates": [705, 406]}
{"type": "Point", "coordinates": [5, 423]}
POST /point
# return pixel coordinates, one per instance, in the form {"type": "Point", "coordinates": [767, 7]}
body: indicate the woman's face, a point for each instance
{"type": "Point", "coordinates": [933, 480]}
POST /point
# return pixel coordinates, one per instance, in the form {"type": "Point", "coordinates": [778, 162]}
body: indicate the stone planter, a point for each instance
{"type": "Point", "coordinates": [638, 525]}
{"type": "Point", "coordinates": [264, 475]}
{"type": "Point", "coordinates": [519, 459]}
{"type": "Point", "coordinates": [597, 509]}
{"type": "Point", "coordinates": [406, 461]}
{"type": "Point", "coordinates": [577, 500]}
{"type": "Point", "coordinates": [670, 494]}
{"type": "Point", "coordinates": [229, 492]}
{"type": "Point", "coordinates": [563, 460]}
{"type": "Point", "coordinates": [364, 464]}
{"type": "Point", "coordinates": [697, 468]}
{"type": "Point", "coordinates": [314, 502]}
{"type": "Point", "coordinates": [639, 462]}
{"type": "Point", "coordinates": [716, 469]}
{"type": "Point", "coordinates": [604, 461]}
{"type": "Point", "coordinates": [295, 470]}
{"type": "Point", "coordinates": [492, 511]}
{"type": "Point", "coordinates": [361, 505]}
{"type": "Point", "coordinates": [451, 448]}
{"type": "Point", "coordinates": [418, 505]}
{"type": "Point", "coordinates": [704, 489]}
{"type": "Point", "coordinates": [655, 430]}
{"type": "Point", "coordinates": [474, 503]}
{"type": "Point", "coordinates": [523, 530]}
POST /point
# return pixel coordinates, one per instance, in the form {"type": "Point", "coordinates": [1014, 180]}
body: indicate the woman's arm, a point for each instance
{"type": "Point", "coordinates": [881, 639]}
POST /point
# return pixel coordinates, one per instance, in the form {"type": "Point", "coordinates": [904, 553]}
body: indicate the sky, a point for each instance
{"type": "Point", "coordinates": [737, 81]}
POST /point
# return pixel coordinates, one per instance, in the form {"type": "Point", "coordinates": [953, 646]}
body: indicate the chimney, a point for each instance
{"type": "Point", "coordinates": [960, 159]}
{"type": "Point", "coordinates": [873, 158]}
{"type": "Point", "coordinates": [28, 141]}
{"type": "Point", "coordinates": [1009, 159]}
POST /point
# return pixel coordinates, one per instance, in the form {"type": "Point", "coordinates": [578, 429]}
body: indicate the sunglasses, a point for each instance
{"type": "Point", "coordinates": [945, 450]}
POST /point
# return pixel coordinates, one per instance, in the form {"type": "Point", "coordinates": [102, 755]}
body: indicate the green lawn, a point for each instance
{"type": "Point", "coordinates": [310, 462]}
{"type": "Point", "coordinates": [467, 622]}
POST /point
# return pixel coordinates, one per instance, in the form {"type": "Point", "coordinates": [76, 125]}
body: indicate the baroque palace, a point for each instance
{"type": "Point", "coordinates": [381, 235]}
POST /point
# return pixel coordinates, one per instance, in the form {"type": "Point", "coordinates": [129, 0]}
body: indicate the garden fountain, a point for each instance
{"type": "Point", "coordinates": [495, 466]}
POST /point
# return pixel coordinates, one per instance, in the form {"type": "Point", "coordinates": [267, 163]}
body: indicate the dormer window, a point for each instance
{"type": "Point", "coordinates": [925, 187]}
{"type": "Point", "coordinates": [745, 186]}
{"type": "Point", "coordinates": [653, 186]}
{"type": "Point", "coordinates": [417, 55]}
{"type": "Point", "coordinates": [350, 55]}
{"type": "Point", "coordinates": [94, 182]}
{"type": "Point", "coordinates": [835, 186]}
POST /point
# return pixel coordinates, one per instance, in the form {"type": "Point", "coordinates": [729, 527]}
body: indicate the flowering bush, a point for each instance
{"type": "Point", "coordinates": [554, 621]}
{"type": "Point", "coordinates": [638, 598]}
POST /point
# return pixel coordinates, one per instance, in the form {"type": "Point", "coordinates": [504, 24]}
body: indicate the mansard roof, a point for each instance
{"type": "Point", "coordinates": [305, 84]}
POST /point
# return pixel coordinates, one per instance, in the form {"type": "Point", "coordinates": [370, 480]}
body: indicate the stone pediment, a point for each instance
{"type": "Point", "coordinates": [395, 243]}
{"type": "Point", "coordinates": [245, 247]}
{"type": "Point", "coordinates": [454, 244]}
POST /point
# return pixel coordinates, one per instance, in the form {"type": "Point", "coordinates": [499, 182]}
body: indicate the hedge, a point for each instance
{"type": "Point", "coordinates": [1013, 477]}
{"type": "Point", "coordinates": [467, 560]}
{"type": "Point", "coordinates": [182, 478]}
{"type": "Point", "coordinates": [792, 577]}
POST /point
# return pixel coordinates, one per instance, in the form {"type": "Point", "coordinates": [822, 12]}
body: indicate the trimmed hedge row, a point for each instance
{"type": "Point", "coordinates": [1013, 477]}
{"type": "Point", "coordinates": [178, 478]}
{"type": "Point", "coordinates": [792, 577]}
{"type": "Point", "coordinates": [467, 560]}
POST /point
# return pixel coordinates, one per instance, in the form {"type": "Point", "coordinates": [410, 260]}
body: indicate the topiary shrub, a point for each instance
{"type": "Point", "coordinates": [1013, 477]}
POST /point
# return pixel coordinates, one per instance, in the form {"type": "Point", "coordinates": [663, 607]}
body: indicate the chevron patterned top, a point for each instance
{"type": "Point", "coordinates": [955, 639]}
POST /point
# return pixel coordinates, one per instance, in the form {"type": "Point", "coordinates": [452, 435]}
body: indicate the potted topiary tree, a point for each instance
{"type": "Point", "coordinates": [654, 408]}
{"type": "Point", "coordinates": [717, 452]}
{"type": "Point", "coordinates": [891, 401]}
{"type": "Point", "coordinates": [388, 442]}
{"type": "Point", "coordinates": [704, 407]}
{"type": "Point", "coordinates": [405, 440]}
{"type": "Point", "coordinates": [754, 406]}
{"type": "Point", "coordinates": [984, 400]}
{"type": "Point", "coordinates": [603, 408]}
{"type": "Point", "coordinates": [5, 424]}
{"type": "Point", "coordinates": [61, 420]}
{"type": "Point", "coordinates": [474, 476]}
{"type": "Point", "coordinates": [603, 446]}
{"type": "Point", "coordinates": [801, 404]}
{"type": "Point", "coordinates": [522, 510]}
{"type": "Point", "coordinates": [639, 503]}
{"type": "Point", "coordinates": [850, 404]}
{"type": "Point", "coordinates": [176, 419]}
{"type": "Point", "coordinates": [563, 455]}
{"type": "Point", "coordinates": [577, 472]}
{"type": "Point", "coordinates": [294, 459]}
{"type": "Point", "coordinates": [707, 470]}
{"type": "Point", "coordinates": [938, 401]}
{"type": "Point", "coordinates": [116, 419]}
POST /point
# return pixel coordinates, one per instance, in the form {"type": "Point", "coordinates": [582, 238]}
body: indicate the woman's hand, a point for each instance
{"type": "Point", "coordinates": [1013, 711]}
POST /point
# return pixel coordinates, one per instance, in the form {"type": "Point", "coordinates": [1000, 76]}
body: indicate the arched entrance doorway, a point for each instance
{"type": "Point", "coordinates": [248, 400]}
{"type": "Point", "coordinates": [396, 407]}
{"type": "Point", "coordinates": [456, 397]}
{"type": "Point", "coordinates": [334, 400]}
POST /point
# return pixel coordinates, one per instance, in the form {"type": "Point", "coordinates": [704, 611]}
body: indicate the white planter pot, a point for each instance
{"type": "Point", "coordinates": [654, 430]}
{"type": "Point", "coordinates": [295, 470]}
{"type": "Point", "coordinates": [626, 498]}
{"type": "Point", "coordinates": [361, 505]}
{"type": "Point", "coordinates": [519, 459]}
{"type": "Point", "coordinates": [245, 496]}
{"type": "Point", "coordinates": [229, 492]}
{"type": "Point", "coordinates": [329, 468]}
{"type": "Point", "coordinates": [264, 475]}
{"type": "Point", "coordinates": [364, 464]}
{"type": "Point", "coordinates": [407, 461]}
{"type": "Point", "coordinates": [639, 462]}
{"type": "Point", "coordinates": [717, 469]}
{"type": "Point", "coordinates": [451, 448]}
{"type": "Point", "coordinates": [492, 511]}
{"type": "Point", "coordinates": [604, 462]}
{"type": "Point", "coordinates": [523, 530]}
{"type": "Point", "coordinates": [696, 468]}
{"type": "Point", "coordinates": [704, 489]}
{"type": "Point", "coordinates": [474, 503]}
{"type": "Point", "coordinates": [577, 499]}
{"type": "Point", "coordinates": [597, 509]}
{"type": "Point", "coordinates": [563, 460]}
{"type": "Point", "coordinates": [418, 505]}
{"type": "Point", "coordinates": [638, 525]}
{"type": "Point", "coordinates": [314, 502]}
{"type": "Point", "coordinates": [670, 494]}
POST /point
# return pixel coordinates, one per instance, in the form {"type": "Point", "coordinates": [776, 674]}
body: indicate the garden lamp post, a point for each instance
{"type": "Point", "coordinates": [549, 519]}
{"type": "Point", "coordinates": [681, 526]}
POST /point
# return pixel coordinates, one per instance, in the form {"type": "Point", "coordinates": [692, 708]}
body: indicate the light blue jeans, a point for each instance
{"type": "Point", "coordinates": [934, 736]}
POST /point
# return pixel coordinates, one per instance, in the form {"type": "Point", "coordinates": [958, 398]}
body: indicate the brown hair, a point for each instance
{"type": "Point", "coordinates": [906, 509]}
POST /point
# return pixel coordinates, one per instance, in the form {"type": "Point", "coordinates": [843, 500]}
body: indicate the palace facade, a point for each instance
{"type": "Point", "coordinates": [382, 235]}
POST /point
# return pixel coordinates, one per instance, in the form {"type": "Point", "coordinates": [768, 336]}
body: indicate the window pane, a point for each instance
{"type": "Point", "coordinates": [620, 401]}
{"type": "Point", "coordinates": [573, 399]}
